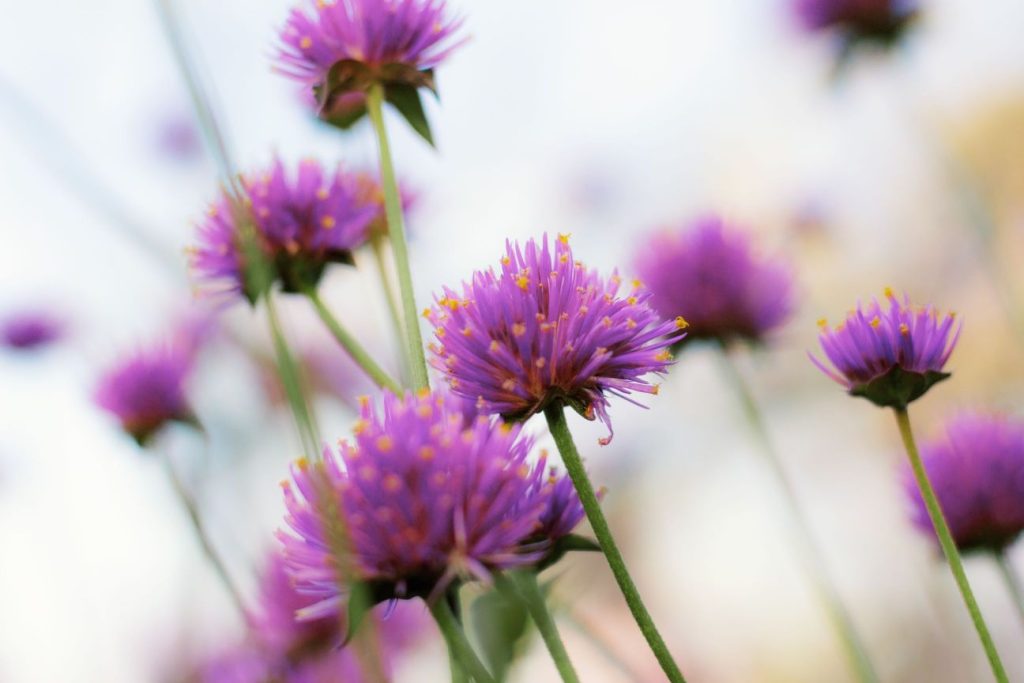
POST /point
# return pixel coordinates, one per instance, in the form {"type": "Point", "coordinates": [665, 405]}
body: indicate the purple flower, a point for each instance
{"type": "Point", "coordinates": [274, 623]}
{"type": "Point", "coordinates": [563, 510]}
{"type": "Point", "coordinates": [146, 389]}
{"type": "Point", "coordinates": [427, 501]}
{"type": "Point", "coordinates": [710, 275]}
{"type": "Point", "coordinates": [546, 329]}
{"type": "Point", "coordinates": [301, 225]}
{"type": "Point", "coordinates": [889, 357]}
{"type": "Point", "coordinates": [30, 329]}
{"type": "Point", "coordinates": [977, 471]}
{"type": "Point", "coordinates": [340, 49]}
{"type": "Point", "coordinates": [881, 21]}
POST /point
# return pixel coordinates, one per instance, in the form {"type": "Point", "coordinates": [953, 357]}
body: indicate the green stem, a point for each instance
{"type": "Point", "coordinates": [827, 592]}
{"type": "Point", "coordinates": [354, 349]}
{"type": "Point", "coordinates": [377, 245]}
{"type": "Point", "coordinates": [948, 545]}
{"type": "Point", "coordinates": [555, 414]}
{"type": "Point", "coordinates": [1012, 581]}
{"type": "Point", "coordinates": [457, 643]}
{"type": "Point", "coordinates": [399, 247]}
{"type": "Point", "coordinates": [523, 586]}
{"type": "Point", "coordinates": [200, 533]}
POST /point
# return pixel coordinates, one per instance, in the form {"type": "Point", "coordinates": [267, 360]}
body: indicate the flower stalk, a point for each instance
{"type": "Point", "coordinates": [458, 644]}
{"type": "Point", "coordinates": [523, 587]}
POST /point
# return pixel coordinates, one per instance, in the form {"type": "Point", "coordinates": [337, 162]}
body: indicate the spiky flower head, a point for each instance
{"type": "Point", "coordinates": [30, 329]}
{"type": "Point", "coordinates": [857, 21]}
{"type": "Point", "coordinates": [427, 500]}
{"type": "Point", "coordinates": [342, 48]}
{"type": "Point", "coordinates": [977, 471]}
{"type": "Point", "coordinates": [546, 329]}
{"type": "Point", "coordinates": [292, 227]}
{"type": "Point", "coordinates": [708, 273]}
{"type": "Point", "coordinates": [274, 622]}
{"type": "Point", "coordinates": [145, 390]}
{"type": "Point", "coordinates": [890, 357]}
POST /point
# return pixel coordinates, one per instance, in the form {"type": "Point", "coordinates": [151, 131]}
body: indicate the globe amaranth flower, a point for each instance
{"type": "Point", "coordinates": [298, 224]}
{"type": "Point", "coordinates": [545, 329]}
{"type": "Point", "coordinates": [30, 329]}
{"type": "Point", "coordinates": [856, 21]}
{"type": "Point", "coordinates": [341, 49]}
{"type": "Point", "coordinates": [977, 471]}
{"type": "Point", "coordinates": [426, 501]}
{"type": "Point", "coordinates": [145, 390]}
{"type": "Point", "coordinates": [711, 276]}
{"type": "Point", "coordinates": [890, 357]}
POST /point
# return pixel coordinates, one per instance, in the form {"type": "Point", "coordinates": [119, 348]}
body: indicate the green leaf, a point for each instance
{"type": "Point", "coordinates": [406, 99]}
{"type": "Point", "coordinates": [566, 544]}
{"type": "Point", "coordinates": [500, 624]}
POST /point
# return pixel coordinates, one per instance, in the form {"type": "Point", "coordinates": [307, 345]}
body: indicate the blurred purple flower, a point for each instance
{"type": "Point", "coordinates": [881, 21]}
{"type": "Point", "coordinates": [177, 137]}
{"type": "Point", "coordinates": [342, 48]}
{"type": "Point", "coordinates": [546, 329]}
{"type": "Point", "coordinates": [145, 390]}
{"type": "Point", "coordinates": [274, 623]}
{"type": "Point", "coordinates": [710, 275]}
{"type": "Point", "coordinates": [301, 225]}
{"type": "Point", "coordinates": [30, 329]}
{"type": "Point", "coordinates": [889, 357]}
{"type": "Point", "coordinates": [427, 501]}
{"type": "Point", "coordinates": [977, 471]}
{"type": "Point", "coordinates": [563, 510]}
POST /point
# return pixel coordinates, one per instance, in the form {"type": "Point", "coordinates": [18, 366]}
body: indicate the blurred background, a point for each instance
{"type": "Point", "coordinates": [603, 119]}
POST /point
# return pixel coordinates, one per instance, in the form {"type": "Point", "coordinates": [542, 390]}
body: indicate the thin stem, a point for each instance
{"type": "Point", "coordinates": [523, 587]}
{"type": "Point", "coordinates": [399, 247]}
{"type": "Point", "coordinates": [354, 349]}
{"type": "Point", "coordinates": [199, 529]}
{"type": "Point", "coordinates": [1012, 581]}
{"type": "Point", "coordinates": [827, 592]}
{"type": "Point", "coordinates": [377, 246]}
{"type": "Point", "coordinates": [457, 643]}
{"type": "Point", "coordinates": [555, 414]}
{"type": "Point", "coordinates": [931, 502]}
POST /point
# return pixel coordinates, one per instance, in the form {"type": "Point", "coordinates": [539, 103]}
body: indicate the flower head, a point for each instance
{"type": "Point", "coordinates": [890, 357]}
{"type": "Point", "coordinates": [300, 225]}
{"type": "Point", "coordinates": [341, 48]}
{"type": "Point", "coordinates": [546, 329]}
{"type": "Point", "coordinates": [426, 499]}
{"type": "Point", "coordinates": [710, 275]}
{"type": "Point", "coordinates": [879, 21]}
{"type": "Point", "coordinates": [146, 390]}
{"type": "Point", "coordinates": [977, 471]}
{"type": "Point", "coordinates": [30, 329]}
{"type": "Point", "coordinates": [274, 623]}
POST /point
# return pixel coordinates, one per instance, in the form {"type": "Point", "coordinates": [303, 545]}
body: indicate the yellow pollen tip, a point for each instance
{"type": "Point", "coordinates": [631, 301]}
{"type": "Point", "coordinates": [904, 330]}
{"type": "Point", "coordinates": [306, 43]}
{"type": "Point", "coordinates": [328, 222]}
{"type": "Point", "coordinates": [467, 330]}
{"type": "Point", "coordinates": [385, 443]}
{"type": "Point", "coordinates": [822, 323]}
{"type": "Point", "coordinates": [875, 322]}
{"type": "Point", "coordinates": [522, 282]}
{"type": "Point", "coordinates": [426, 313]}
{"type": "Point", "coordinates": [494, 345]}
{"type": "Point", "coordinates": [563, 237]}
{"type": "Point", "coordinates": [663, 356]}
{"type": "Point", "coordinates": [681, 323]}
{"type": "Point", "coordinates": [426, 453]}
{"type": "Point", "coordinates": [888, 292]}
{"type": "Point", "coordinates": [505, 260]}
{"type": "Point", "coordinates": [322, 193]}
{"type": "Point", "coordinates": [302, 464]}
{"type": "Point", "coordinates": [656, 389]}
{"type": "Point", "coordinates": [519, 329]}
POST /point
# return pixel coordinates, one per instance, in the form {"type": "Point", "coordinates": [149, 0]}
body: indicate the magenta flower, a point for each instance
{"type": "Point", "coordinates": [30, 329]}
{"type": "Point", "coordinates": [710, 275]}
{"type": "Point", "coordinates": [341, 49]}
{"type": "Point", "coordinates": [547, 329]}
{"type": "Point", "coordinates": [301, 225]}
{"type": "Point", "coordinates": [146, 389]}
{"type": "Point", "coordinates": [889, 357]}
{"type": "Point", "coordinates": [879, 21]}
{"type": "Point", "coordinates": [427, 501]}
{"type": "Point", "coordinates": [274, 623]}
{"type": "Point", "coordinates": [977, 471]}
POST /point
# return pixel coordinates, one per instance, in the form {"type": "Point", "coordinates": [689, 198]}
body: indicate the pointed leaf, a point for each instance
{"type": "Point", "coordinates": [406, 99]}
{"type": "Point", "coordinates": [500, 624]}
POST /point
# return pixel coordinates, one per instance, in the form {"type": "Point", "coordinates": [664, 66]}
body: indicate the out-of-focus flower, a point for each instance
{"type": "Point", "coordinates": [177, 138]}
{"type": "Point", "coordinates": [878, 21]}
{"type": "Point", "coordinates": [977, 471]}
{"type": "Point", "coordinates": [710, 275]}
{"type": "Point", "coordinates": [372, 194]}
{"type": "Point", "coordinates": [30, 329]}
{"type": "Point", "coordinates": [341, 49]}
{"type": "Point", "coordinates": [546, 329]}
{"type": "Point", "coordinates": [889, 357]}
{"type": "Point", "coordinates": [145, 390]}
{"type": "Point", "coordinates": [426, 499]}
{"type": "Point", "coordinates": [300, 224]}
{"type": "Point", "coordinates": [274, 623]}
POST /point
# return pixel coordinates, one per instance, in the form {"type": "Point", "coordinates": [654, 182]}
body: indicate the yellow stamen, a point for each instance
{"type": "Point", "coordinates": [681, 323]}
{"type": "Point", "coordinates": [328, 222]}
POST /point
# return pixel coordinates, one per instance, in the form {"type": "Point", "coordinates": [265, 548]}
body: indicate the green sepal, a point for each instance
{"type": "Point", "coordinates": [406, 100]}
{"type": "Point", "coordinates": [898, 387]}
{"type": "Point", "coordinates": [500, 623]}
{"type": "Point", "coordinates": [567, 544]}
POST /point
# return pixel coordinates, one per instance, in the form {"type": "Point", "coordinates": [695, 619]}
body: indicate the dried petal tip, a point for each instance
{"type": "Point", "coordinates": [547, 330]}
{"type": "Point", "coordinates": [890, 357]}
{"type": "Point", "coordinates": [855, 22]}
{"type": "Point", "coordinates": [977, 471]}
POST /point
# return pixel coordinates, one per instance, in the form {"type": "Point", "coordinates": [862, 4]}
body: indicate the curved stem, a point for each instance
{"type": "Point", "coordinates": [396, 232]}
{"type": "Point", "coordinates": [458, 644]}
{"type": "Point", "coordinates": [555, 414]}
{"type": "Point", "coordinates": [931, 502]}
{"type": "Point", "coordinates": [354, 349]}
{"type": "Point", "coordinates": [523, 586]}
{"type": "Point", "coordinates": [827, 592]}
{"type": "Point", "coordinates": [1012, 581]}
{"type": "Point", "coordinates": [200, 532]}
